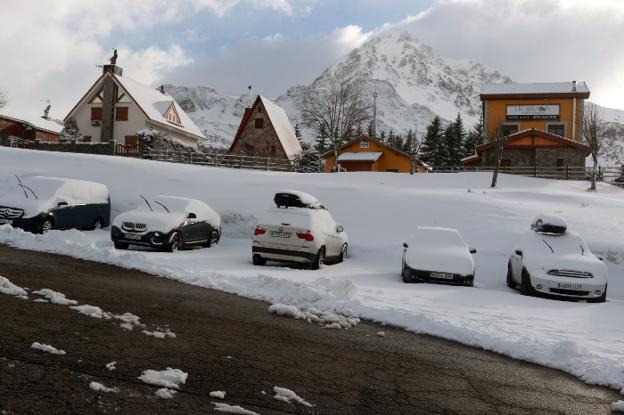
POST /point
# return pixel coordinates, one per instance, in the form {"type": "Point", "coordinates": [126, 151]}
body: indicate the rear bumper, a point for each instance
{"type": "Point", "coordinates": [426, 276]}
{"type": "Point", "coordinates": [284, 255]}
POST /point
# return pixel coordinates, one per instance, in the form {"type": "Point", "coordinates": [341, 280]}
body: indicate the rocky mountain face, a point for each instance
{"type": "Point", "coordinates": [413, 84]}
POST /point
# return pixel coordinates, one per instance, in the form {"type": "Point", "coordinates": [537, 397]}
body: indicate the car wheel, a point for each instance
{"type": "Point", "coordinates": [407, 278]}
{"type": "Point", "coordinates": [47, 225]}
{"type": "Point", "coordinates": [319, 261]}
{"type": "Point", "coordinates": [213, 238]}
{"type": "Point", "coordinates": [121, 245]}
{"type": "Point", "coordinates": [526, 288]}
{"type": "Point", "coordinates": [510, 281]}
{"type": "Point", "coordinates": [175, 243]}
{"type": "Point", "coordinates": [99, 224]}
{"type": "Point", "coordinates": [343, 253]}
{"type": "Point", "coordinates": [258, 260]}
{"type": "Point", "coordinates": [600, 299]}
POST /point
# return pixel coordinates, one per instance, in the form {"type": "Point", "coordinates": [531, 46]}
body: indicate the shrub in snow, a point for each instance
{"type": "Point", "coordinates": [70, 132]}
{"type": "Point", "coordinates": [7, 287]}
{"type": "Point", "coordinates": [47, 348]}
{"type": "Point", "coordinates": [169, 378]}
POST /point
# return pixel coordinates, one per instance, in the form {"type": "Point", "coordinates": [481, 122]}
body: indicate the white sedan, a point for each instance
{"type": "Point", "coordinates": [554, 261]}
{"type": "Point", "coordinates": [438, 255]}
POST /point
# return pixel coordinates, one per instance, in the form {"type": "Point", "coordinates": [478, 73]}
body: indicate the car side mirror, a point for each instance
{"type": "Point", "coordinates": [518, 252]}
{"type": "Point", "coordinates": [62, 204]}
{"type": "Point", "coordinates": [473, 251]}
{"type": "Point", "coordinates": [191, 216]}
{"type": "Point", "coordinates": [405, 245]}
{"type": "Point", "coordinates": [339, 229]}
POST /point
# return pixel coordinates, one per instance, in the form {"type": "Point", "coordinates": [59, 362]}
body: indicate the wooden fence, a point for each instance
{"type": "Point", "coordinates": [223, 160]}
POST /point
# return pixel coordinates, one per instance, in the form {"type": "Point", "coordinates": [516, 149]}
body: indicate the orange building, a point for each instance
{"type": "Point", "coordinates": [369, 154]}
{"type": "Point", "coordinates": [544, 123]}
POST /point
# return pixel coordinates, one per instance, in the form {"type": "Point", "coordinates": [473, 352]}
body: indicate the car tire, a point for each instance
{"type": "Point", "coordinates": [121, 245]}
{"type": "Point", "coordinates": [258, 260]}
{"type": "Point", "coordinates": [526, 288]}
{"type": "Point", "coordinates": [47, 225]}
{"type": "Point", "coordinates": [319, 260]}
{"type": "Point", "coordinates": [344, 251]}
{"type": "Point", "coordinates": [600, 299]}
{"type": "Point", "coordinates": [405, 274]}
{"type": "Point", "coordinates": [175, 242]}
{"type": "Point", "coordinates": [510, 282]}
{"type": "Point", "coordinates": [98, 224]}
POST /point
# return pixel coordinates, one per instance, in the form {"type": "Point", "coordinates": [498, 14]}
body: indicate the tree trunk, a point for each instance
{"type": "Point", "coordinates": [494, 176]}
{"type": "Point", "coordinates": [412, 163]}
{"type": "Point", "coordinates": [335, 168]}
{"type": "Point", "coordinates": [593, 176]}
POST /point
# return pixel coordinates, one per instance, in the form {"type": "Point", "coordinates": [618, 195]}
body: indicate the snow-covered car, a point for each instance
{"type": "Point", "coordinates": [167, 223]}
{"type": "Point", "coordinates": [438, 255]}
{"type": "Point", "coordinates": [38, 204]}
{"type": "Point", "coordinates": [552, 260]}
{"type": "Point", "coordinates": [299, 230]}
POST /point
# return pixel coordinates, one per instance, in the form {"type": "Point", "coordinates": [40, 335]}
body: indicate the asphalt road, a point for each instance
{"type": "Point", "coordinates": [229, 343]}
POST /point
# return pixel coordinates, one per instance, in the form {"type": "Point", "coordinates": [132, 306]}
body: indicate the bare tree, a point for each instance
{"type": "Point", "coordinates": [499, 139]}
{"type": "Point", "coordinates": [593, 131]}
{"type": "Point", "coordinates": [335, 106]}
{"type": "Point", "coordinates": [3, 99]}
{"type": "Point", "coordinates": [412, 146]}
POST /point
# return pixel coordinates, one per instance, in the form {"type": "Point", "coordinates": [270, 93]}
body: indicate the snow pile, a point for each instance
{"type": "Point", "coordinates": [169, 378]}
{"type": "Point", "coordinates": [111, 366]}
{"type": "Point", "coordinates": [8, 288]}
{"type": "Point", "coordinates": [160, 333]}
{"type": "Point", "coordinates": [55, 297]}
{"type": "Point", "coordinates": [286, 395]}
{"type": "Point", "coordinates": [98, 387]}
{"type": "Point", "coordinates": [129, 321]}
{"type": "Point", "coordinates": [47, 348]}
{"type": "Point", "coordinates": [217, 394]}
{"type": "Point", "coordinates": [92, 311]}
{"type": "Point", "coordinates": [165, 393]}
{"type": "Point", "coordinates": [617, 406]}
{"type": "Point", "coordinates": [327, 318]}
{"type": "Point", "coordinates": [230, 409]}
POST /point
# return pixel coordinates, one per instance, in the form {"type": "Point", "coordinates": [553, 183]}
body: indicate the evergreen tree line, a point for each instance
{"type": "Point", "coordinates": [446, 145]}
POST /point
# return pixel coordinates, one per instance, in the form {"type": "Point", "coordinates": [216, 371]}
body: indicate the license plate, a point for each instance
{"type": "Point", "coordinates": [276, 234]}
{"type": "Point", "coordinates": [442, 275]}
{"type": "Point", "coordinates": [569, 286]}
{"type": "Point", "coordinates": [132, 237]}
{"type": "Point", "coordinates": [5, 221]}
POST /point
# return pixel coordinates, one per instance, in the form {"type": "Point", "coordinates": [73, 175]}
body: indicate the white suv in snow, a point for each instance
{"type": "Point", "coordinates": [554, 261]}
{"type": "Point", "coordinates": [298, 230]}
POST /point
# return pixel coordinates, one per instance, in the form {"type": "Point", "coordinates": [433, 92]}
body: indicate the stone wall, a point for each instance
{"type": "Point", "coordinates": [541, 157]}
{"type": "Point", "coordinates": [258, 141]}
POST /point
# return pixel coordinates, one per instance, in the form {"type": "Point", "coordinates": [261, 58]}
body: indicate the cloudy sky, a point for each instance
{"type": "Point", "coordinates": [51, 48]}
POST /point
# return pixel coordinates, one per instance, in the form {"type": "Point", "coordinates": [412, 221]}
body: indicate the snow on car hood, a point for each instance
{"type": "Point", "coordinates": [155, 221]}
{"type": "Point", "coordinates": [439, 249]}
{"type": "Point", "coordinates": [566, 252]}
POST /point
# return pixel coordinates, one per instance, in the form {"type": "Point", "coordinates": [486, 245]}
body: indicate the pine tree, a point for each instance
{"type": "Point", "coordinates": [309, 161]}
{"type": "Point", "coordinates": [298, 132]}
{"type": "Point", "coordinates": [454, 137]}
{"type": "Point", "coordinates": [382, 136]}
{"type": "Point", "coordinates": [430, 151]}
{"type": "Point", "coordinates": [473, 139]}
{"type": "Point", "coordinates": [70, 132]}
{"type": "Point", "coordinates": [322, 142]}
{"type": "Point", "coordinates": [370, 131]}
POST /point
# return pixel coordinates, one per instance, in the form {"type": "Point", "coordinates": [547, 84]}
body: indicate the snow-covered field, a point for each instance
{"type": "Point", "coordinates": [380, 212]}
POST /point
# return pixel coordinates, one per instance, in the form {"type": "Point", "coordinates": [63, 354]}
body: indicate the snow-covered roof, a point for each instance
{"type": "Point", "coordinates": [155, 105]}
{"type": "Point", "coordinates": [35, 121]}
{"type": "Point", "coordinates": [535, 88]}
{"type": "Point", "coordinates": [283, 128]}
{"type": "Point", "coordinates": [360, 156]}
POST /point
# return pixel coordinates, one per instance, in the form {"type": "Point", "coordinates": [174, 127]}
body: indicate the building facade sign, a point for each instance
{"type": "Point", "coordinates": [533, 112]}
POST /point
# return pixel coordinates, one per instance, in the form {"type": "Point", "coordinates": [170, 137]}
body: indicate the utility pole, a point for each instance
{"type": "Point", "coordinates": [375, 113]}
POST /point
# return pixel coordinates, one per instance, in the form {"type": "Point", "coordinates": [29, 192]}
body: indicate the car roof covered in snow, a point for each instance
{"type": "Point", "coordinates": [549, 221]}
{"type": "Point", "coordinates": [186, 205]}
{"type": "Point", "coordinates": [439, 249]}
{"type": "Point", "coordinates": [306, 198]}
{"type": "Point", "coordinates": [45, 186]}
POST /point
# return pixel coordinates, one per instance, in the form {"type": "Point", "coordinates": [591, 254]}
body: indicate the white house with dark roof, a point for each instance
{"type": "Point", "coordinates": [266, 131]}
{"type": "Point", "coordinates": [117, 107]}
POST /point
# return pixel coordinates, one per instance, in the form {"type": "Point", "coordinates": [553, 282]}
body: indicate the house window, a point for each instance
{"type": "Point", "coordinates": [509, 129]}
{"type": "Point", "coordinates": [86, 139]}
{"type": "Point", "coordinates": [96, 114]}
{"type": "Point", "coordinates": [121, 114]}
{"type": "Point", "coordinates": [259, 110]}
{"type": "Point", "coordinates": [259, 123]}
{"type": "Point", "coordinates": [364, 144]}
{"type": "Point", "coordinates": [558, 129]}
{"type": "Point", "coordinates": [131, 140]}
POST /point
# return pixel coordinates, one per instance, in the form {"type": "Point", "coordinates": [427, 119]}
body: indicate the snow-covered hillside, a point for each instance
{"type": "Point", "coordinates": [379, 211]}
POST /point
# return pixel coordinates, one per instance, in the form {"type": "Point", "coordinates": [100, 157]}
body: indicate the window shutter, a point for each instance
{"type": "Point", "coordinates": [96, 114]}
{"type": "Point", "coordinates": [121, 114]}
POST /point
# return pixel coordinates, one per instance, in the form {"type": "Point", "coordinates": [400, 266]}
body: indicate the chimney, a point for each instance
{"type": "Point", "coordinates": [162, 89]}
{"type": "Point", "coordinates": [250, 99]}
{"type": "Point", "coordinates": [112, 66]}
{"type": "Point", "coordinates": [46, 112]}
{"type": "Point", "coordinates": [109, 98]}
{"type": "Point", "coordinates": [573, 86]}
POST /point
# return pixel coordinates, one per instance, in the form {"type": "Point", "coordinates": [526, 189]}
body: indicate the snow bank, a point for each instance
{"type": "Point", "coordinates": [165, 393]}
{"type": "Point", "coordinates": [286, 395]}
{"type": "Point", "coordinates": [92, 311]}
{"type": "Point", "coordinates": [230, 409]}
{"type": "Point", "coordinates": [98, 387]}
{"type": "Point", "coordinates": [617, 406]}
{"type": "Point", "coordinates": [169, 378]}
{"type": "Point", "coordinates": [8, 288]}
{"type": "Point", "coordinates": [160, 333]}
{"type": "Point", "coordinates": [217, 394]}
{"type": "Point", "coordinates": [55, 297]}
{"type": "Point", "coordinates": [47, 348]}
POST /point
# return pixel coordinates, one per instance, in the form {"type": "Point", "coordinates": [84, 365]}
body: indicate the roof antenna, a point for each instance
{"type": "Point", "coordinates": [250, 100]}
